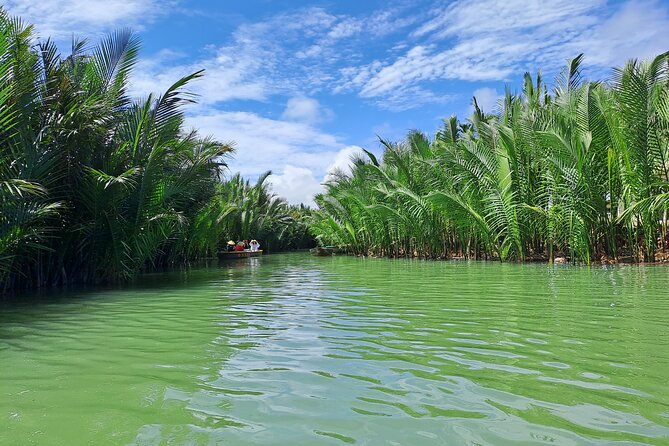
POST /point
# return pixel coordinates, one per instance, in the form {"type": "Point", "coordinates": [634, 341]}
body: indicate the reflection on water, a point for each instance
{"type": "Point", "coordinates": [299, 350]}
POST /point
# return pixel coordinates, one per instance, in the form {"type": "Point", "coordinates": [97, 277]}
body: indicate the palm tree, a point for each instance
{"type": "Point", "coordinates": [581, 173]}
{"type": "Point", "coordinates": [641, 92]}
{"type": "Point", "coordinates": [96, 185]}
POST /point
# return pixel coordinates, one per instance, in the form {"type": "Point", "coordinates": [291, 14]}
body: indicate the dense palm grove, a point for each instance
{"type": "Point", "coordinates": [96, 187]}
{"type": "Point", "coordinates": [578, 174]}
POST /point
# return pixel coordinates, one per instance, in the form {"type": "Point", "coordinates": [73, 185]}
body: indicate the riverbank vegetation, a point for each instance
{"type": "Point", "coordinates": [254, 209]}
{"type": "Point", "coordinates": [579, 172]}
{"type": "Point", "coordinates": [96, 186]}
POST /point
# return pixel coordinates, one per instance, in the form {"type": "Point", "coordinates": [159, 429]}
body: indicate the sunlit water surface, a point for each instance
{"type": "Point", "coordinates": [295, 350]}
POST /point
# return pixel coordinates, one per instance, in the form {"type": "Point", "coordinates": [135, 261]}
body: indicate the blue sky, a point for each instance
{"type": "Point", "coordinates": [301, 85]}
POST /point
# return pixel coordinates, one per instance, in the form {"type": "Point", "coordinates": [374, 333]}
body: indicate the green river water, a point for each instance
{"type": "Point", "coordinates": [297, 350]}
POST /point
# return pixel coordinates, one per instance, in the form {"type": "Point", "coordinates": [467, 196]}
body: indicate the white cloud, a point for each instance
{"type": "Point", "coordinates": [296, 54]}
{"type": "Point", "coordinates": [490, 40]}
{"type": "Point", "coordinates": [263, 143]}
{"type": "Point", "coordinates": [492, 17]}
{"type": "Point", "coordinates": [300, 184]}
{"type": "Point", "coordinates": [406, 69]}
{"type": "Point", "coordinates": [307, 51]}
{"type": "Point", "coordinates": [638, 29]}
{"type": "Point", "coordinates": [226, 76]}
{"type": "Point", "coordinates": [299, 154]}
{"type": "Point", "coordinates": [346, 28]}
{"type": "Point", "coordinates": [487, 99]}
{"type": "Point", "coordinates": [289, 54]}
{"type": "Point", "coordinates": [296, 184]}
{"type": "Point", "coordinates": [342, 160]}
{"type": "Point", "coordinates": [60, 19]}
{"type": "Point", "coordinates": [303, 109]}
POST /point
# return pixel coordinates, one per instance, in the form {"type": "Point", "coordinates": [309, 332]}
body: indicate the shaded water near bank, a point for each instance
{"type": "Point", "coordinates": [297, 350]}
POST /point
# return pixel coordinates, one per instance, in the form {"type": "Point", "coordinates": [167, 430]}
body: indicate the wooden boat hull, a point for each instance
{"type": "Point", "coordinates": [225, 255]}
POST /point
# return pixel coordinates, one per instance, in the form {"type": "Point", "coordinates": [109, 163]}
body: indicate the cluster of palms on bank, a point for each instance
{"type": "Point", "coordinates": [578, 171]}
{"type": "Point", "coordinates": [95, 186]}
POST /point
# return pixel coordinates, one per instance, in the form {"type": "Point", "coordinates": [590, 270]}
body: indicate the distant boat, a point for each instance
{"type": "Point", "coordinates": [229, 255]}
{"type": "Point", "coordinates": [322, 251]}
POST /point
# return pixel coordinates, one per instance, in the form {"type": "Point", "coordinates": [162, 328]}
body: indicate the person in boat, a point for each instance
{"type": "Point", "coordinates": [230, 246]}
{"type": "Point", "coordinates": [239, 246]}
{"type": "Point", "coordinates": [246, 244]}
{"type": "Point", "coordinates": [254, 245]}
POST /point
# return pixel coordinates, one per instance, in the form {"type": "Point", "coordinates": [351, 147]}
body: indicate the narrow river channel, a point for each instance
{"type": "Point", "coordinates": [297, 350]}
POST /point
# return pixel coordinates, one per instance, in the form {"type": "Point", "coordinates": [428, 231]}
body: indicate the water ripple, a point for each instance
{"type": "Point", "coordinates": [296, 350]}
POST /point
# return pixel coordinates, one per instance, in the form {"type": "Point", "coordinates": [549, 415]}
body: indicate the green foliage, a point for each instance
{"type": "Point", "coordinates": [253, 211]}
{"type": "Point", "coordinates": [96, 187]}
{"type": "Point", "coordinates": [580, 173]}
